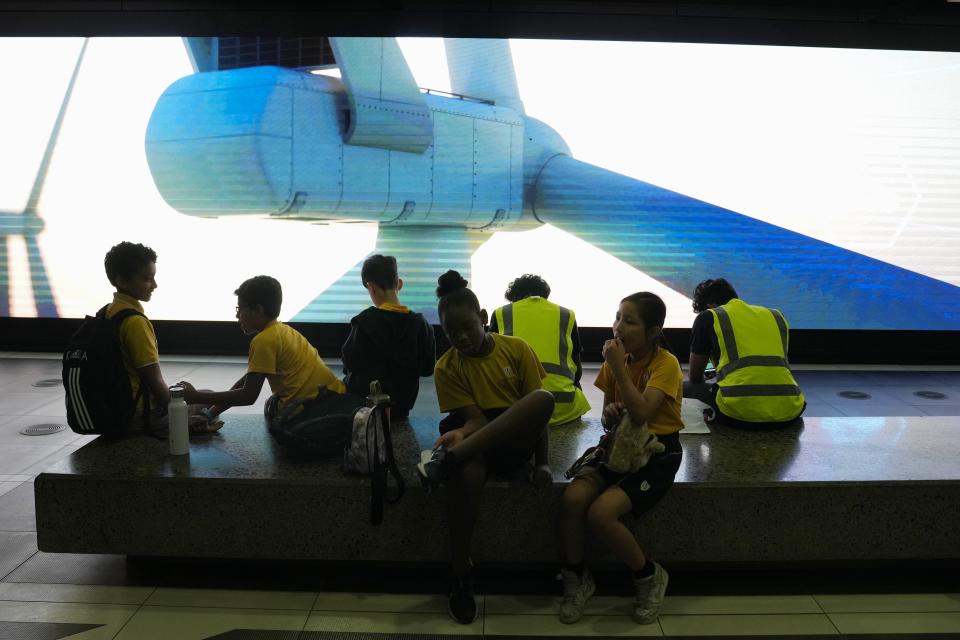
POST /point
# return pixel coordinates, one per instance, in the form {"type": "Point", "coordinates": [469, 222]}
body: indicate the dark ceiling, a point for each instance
{"type": "Point", "coordinates": [916, 24]}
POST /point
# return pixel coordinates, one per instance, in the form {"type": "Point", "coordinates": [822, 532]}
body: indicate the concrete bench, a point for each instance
{"type": "Point", "coordinates": [835, 489]}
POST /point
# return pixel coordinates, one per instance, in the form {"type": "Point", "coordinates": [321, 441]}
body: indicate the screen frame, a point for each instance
{"type": "Point", "coordinates": [842, 24]}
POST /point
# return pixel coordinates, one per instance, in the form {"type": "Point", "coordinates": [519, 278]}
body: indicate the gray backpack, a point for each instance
{"type": "Point", "coordinates": [370, 451]}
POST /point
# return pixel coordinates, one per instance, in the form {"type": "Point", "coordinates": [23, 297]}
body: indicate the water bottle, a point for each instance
{"type": "Point", "coordinates": [177, 423]}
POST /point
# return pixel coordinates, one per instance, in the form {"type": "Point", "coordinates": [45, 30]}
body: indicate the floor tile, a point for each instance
{"type": "Point", "coordinates": [870, 409]}
{"type": "Point", "coordinates": [10, 431]}
{"type": "Point", "coordinates": [889, 602]}
{"type": "Point", "coordinates": [940, 409]}
{"type": "Point", "coordinates": [57, 456]}
{"type": "Point", "coordinates": [17, 509]}
{"type": "Point", "coordinates": [906, 394]}
{"type": "Point", "coordinates": [769, 625]}
{"type": "Point", "coordinates": [188, 623]}
{"type": "Point", "coordinates": [381, 622]}
{"type": "Point", "coordinates": [704, 605]}
{"type": "Point", "coordinates": [14, 458]}
{"type": "Point", "coordinates": [6, 487]}
{"type": "Point", "coordinates": [92, 594]}
{"type": "Point", "coordinates": [18, 478]}
{"type": "Point", "coordinates": [73, 568]}
{"type": "Point", "coordinates": [112, 616]}
{"type": "Point", "coordinates": [905, 622]}
{"type": "Point", "coordinates": [384, 602]}
{"type": "Point", "coordinates": [588, 625]}
{"type": "Point", "coordinates": [16, 547]}
{"type": "Point", "coordinates": [233, 598]}
{"type": "Point", "coordinates": [54, 407]}
{"type": "Point", "coordinates": [21, 403]}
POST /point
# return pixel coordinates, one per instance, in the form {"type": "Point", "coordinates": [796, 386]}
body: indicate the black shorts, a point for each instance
{"type": "Point", "coordinates": [650, 483]}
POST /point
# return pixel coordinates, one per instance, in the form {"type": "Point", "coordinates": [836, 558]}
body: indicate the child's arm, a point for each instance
{"type": "Point", "coordinates": [640, 406]}
{"type": "Point", "coordinates": [238, 396]}
{"type": "Point", "coordinates": [349, 353]}
{"type": "Point", "coordinates": [151, 379]}
{"type": "Point", "coordinates": [473, 420]}
{"type": "Point", "coordinates": [698, 363]}
{"type": "Point", "coordinates": [428, 350]}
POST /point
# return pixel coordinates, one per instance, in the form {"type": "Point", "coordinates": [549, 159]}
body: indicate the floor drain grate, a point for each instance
{"type": "Point", "coordinates": [930, 395]}
{"type": "Point", "coordinates": [42, 429]}
{"type": "Point", "coordinates": [854, 395]}
{"type": "Point", "coordinates": [48, 382]}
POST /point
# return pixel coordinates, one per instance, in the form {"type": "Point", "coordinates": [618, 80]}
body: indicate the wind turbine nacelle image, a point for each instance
{"type": "Point", "coordinates": [276, 142]}
{"type": "Point", "coordinates": [289, 144]}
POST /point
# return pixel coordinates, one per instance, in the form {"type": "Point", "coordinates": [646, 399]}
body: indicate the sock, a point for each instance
{"type": "Point", "coordinates": [644, 572]}
{"type": "Point", "coordinates": [576, 568]}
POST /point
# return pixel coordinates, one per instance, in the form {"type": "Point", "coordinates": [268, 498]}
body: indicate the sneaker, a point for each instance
{"type": "Point", "coordinates": [460, 605]}
{"type": "Point", "coordinates": [432, 467]}
{"type": "Point", "coordinates": [650, 592]}
{"type": "Point", "coordinates": [576, 591]}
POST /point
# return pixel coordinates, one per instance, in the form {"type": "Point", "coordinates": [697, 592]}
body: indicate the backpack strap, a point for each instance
{"type": "Point", "coordinates": [392, 463]}
{"type": "Point", "coordinates": [118, 319]}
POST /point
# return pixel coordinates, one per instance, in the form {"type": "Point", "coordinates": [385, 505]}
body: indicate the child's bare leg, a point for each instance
{"type": "Point", "coordinates": [577, 498]}
{"type": "Point", "coordinates": [603, 518]}
{"type": "Point", "coordinates": [519, 426]}
{"type": "Point", "coordinates": [541, 474]}
{"type": "Point", "coordinates": [463, 504]}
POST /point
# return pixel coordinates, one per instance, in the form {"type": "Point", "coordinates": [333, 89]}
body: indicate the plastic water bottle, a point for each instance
{"type": "Point", "coordinates": [177, 423]}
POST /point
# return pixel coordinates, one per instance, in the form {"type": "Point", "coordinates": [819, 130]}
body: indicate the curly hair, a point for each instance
{"type": "Point", "coordinates": [716, 292]}
{"type": "Point", "coordinates": [525, 286]}
{"type": "Point", "coordinates": [125, 259]}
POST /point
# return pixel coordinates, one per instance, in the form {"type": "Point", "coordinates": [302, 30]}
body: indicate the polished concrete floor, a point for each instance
{"type": "Point", "coordinates": [89, 596]}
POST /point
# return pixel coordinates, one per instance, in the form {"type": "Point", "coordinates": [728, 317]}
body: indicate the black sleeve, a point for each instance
{"type": "Point", "coordinates": [350, 352]}
{"type": "Point", "coordinates": [428, 349]}
{"type": "Point", "coordinates": [577, 350]}
{"type": "Point", "coordinates": [701, 336]}
{"type": "Point", "coordinates": [493, 323]}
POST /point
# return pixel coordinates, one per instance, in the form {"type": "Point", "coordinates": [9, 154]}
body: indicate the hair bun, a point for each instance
{"type": "Point", "coordinates": [449, 282]}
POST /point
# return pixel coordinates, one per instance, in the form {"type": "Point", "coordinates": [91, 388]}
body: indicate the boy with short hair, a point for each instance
{"type": "Point", "coordinates": [132, 269]}
{"type": "Point", "coordinates": [278, 353]}
{"type": "Point", "coordinates": [388, 342]}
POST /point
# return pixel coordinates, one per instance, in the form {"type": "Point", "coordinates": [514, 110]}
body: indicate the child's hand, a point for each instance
{"type": "Point", "coordinates": [614, 353]}
{"type": "Point", "coordinates": [450, 439]}
{"type": "Point", "coordinates": [189, 392]}
{"type": "Point", "coordinates": [612, 413]}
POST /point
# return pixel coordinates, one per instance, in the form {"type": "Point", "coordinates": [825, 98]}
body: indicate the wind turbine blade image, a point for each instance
{"type": "Point", "coordinates": [422, 254]}
{"type": "Point", "coordinates": [680, 241]}
{"type": "Point", "coordinates": [28, 223]}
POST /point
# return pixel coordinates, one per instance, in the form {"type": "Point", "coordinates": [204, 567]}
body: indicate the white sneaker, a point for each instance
{"type": "Point", "coordinates": [576, 591]}
{"type": "Point", "coordinates": [650, 592]}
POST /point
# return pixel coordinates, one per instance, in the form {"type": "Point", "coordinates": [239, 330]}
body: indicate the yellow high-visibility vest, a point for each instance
{"type": "Point", "coordinates": [548, 328]}
{"type": "Point", "coordinates": [753, 373]}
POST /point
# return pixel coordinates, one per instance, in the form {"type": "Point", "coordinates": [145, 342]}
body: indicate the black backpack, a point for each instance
{"type": "Point", "coordinates": [98, 394]}
{"type": "Point", "coordinates": [318, 426]}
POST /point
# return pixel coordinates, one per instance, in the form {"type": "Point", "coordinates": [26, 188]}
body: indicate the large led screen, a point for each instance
{"type": "Point", "coordinates": [823, 182]}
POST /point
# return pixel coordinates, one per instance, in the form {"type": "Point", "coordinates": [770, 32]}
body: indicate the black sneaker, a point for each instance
{"type": "Point", "coordinates": [433, 467]}
{"type": "Point", "coordinates": [460, 605]}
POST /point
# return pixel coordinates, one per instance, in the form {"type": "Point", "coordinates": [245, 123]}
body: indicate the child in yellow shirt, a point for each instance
{"type": "Point", "coordinates": [491, 386]}
{"type": "Point", "coordinates": [641, 380]}
{"type": "Point", "coordinates": [278, 354]}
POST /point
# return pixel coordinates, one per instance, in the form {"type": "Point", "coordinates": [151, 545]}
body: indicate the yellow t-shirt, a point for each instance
{"type": "Point", "coordinates": [292, 365]}
{"type": "Point", "coordinates": [138, 342]}
{"type": "Point", "coordinates": [494, 381]}
{"type": "Point", "coordinates": [663, 373]}
{"type": "Point", "coordinates": [399, 308]}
